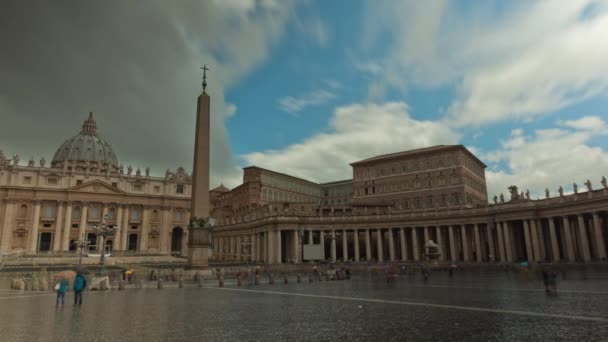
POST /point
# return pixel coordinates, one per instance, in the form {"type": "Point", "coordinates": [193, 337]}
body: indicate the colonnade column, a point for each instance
{"type": "Point", "coordinates": [344, 246]}
{"type": "Point", "coordinates": [553, 238]}
{"type": "Point", "coordinates": [239, 247]}
{"type": "Point", "coordinates": [253, 247]}
{"type": "Point", "coordinates": [296, 245]}
{"type": "Point", "coordinates": [599, 238]}
{"type": "Point", "coordinates": [145, 223]}
{"type": "Point", "coordinates": [33, 245]}
{"type": "Point", "coordinates": [490, 237]}
{"type": "Point", "coordinates": [333, 245]}
{"type": "Point", "coordinates": [584, 242]}
{"type": "Point", "coordinates": [477, 242]}
{"type": "Point", "coordinates": [465, 243]}
{"type": "Point", "coordinates": [322, 239]}
{"type": "Point", "coordinates": [368, 246]}
{"type": "Point", "coordinates": [508, 248]}
{"type": "Point", "coordinates": [567, 234]}
{"type": "Point", "coordinates": [426, 237]}
{"type": "Point", "coordinates": [501, 243]}
{"type": "Point", "coordinates": [528, 241]}
{"type": "Point", "coordinates": [67, 225]}
{"type": "Point", "coordinates": [58, 226]}
{"type": "Point", "coordinates": [535, 242]}
{"type": "Point", "coordinates": [391, 245]}
{"type": "Point", "coordinates": [356, 241]}
{"type": "Point", "coordinates": [379, 245]}
{"type": "Point", "coordinates": [5, 234]}
{"type": "Point", "coordinates": [403, 248]}
{"type": "Point", "coordinates": [440, 242]}
{"type": "Point", "coordinates": [415, 244]}
{"type": "Point", "coordinates": [452, 244]}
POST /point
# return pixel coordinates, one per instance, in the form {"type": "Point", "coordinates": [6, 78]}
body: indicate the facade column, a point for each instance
{"type": "Point", "coordinates": [541, 240]}
{"type": "Point", "coordinates": [391, 245]}
{"type": "Point", "coordinates": [379, 245]}
{"type": "Point", "coordinates": [279, 250]}
{"type": "Point", "coordinates": [67, 226]}
{"type": "Point", "coordinates": [491, 251]}
{"type": "Point", "coordinates": [58, 225]}
{"type": "Point", "coordinates": [402, 241]}
{"type": "Point", "coordinates": [296, 245]}
{"type": "Point", "coordinates": [426, 238]}
{"type": "Point", "coordinates": [119, 228]}
{"type": "Point", "coordinates": [567, 235]}
{"type": "Point", "coordinates": [528, 241]}
{"type": "Point", "coordinates": [452, 244]}
{"type": "Point", "coordinates": [356, 242]}
{"type": "Point", "coordinates": [477, 242]}
{"type": "Point", "coordinates": [599, 237]}
{"type": "Point", "coordinates": [322, 240]}
{"type": "Point", "coordinates": [584, 242]}
{"type": "Point", "coordinates": [368, 246]}
{"type": "Point", "coordinates": [84, 209]}
{"type": "Point", "coordinates": [535, 242]}
{"type": "Point", "coordinates": [145, 222]}
{"type": "Point", "coordinates": [8, 226]}
{"type": "Point", "coordinates": [344, 246]}
{"type": "Point", "coordinates": [239, 247]}
{"type": "Point", "coordinates": [310, 237]}
{"type": "Point", "coordinates": [553, 237]}
{"type": "Point", "coordinates": [124, 241]}
{"type": "Point", "coordinates": [508, 248]}
{"type": "Point", "coordinates": [501, 243]}
{"type": "Point", "coordinates": [253, 247]}
{"type": "Point", "coordinates": [415, 244]}
{"type": "Point", "coordinates": [465, 243]}
{"type": "Point", "coordinates": [440, 242]}
{"type": "Point", "coordinates": [33, 246]}
{"type": "Point", "coordinates": [333, 245]}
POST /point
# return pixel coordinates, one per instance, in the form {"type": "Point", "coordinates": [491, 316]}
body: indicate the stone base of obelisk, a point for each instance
{"type": "Point", "coordinates": [198, 256]}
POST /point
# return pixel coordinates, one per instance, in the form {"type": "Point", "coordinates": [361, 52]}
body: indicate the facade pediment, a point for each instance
{"type": "Point", "coordinates": [96, 186]}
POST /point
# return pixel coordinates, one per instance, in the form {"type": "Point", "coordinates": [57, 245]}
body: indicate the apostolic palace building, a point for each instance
{"type": "Point", "coordinates": [389, 211]}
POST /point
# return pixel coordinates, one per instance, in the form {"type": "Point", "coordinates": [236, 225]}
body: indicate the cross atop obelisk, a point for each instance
{"type": "Point", "coordinates": [204, 68]}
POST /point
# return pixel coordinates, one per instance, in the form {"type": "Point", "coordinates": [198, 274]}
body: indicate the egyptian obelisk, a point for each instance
{"type": "Point", "coordinates": [199, 239]}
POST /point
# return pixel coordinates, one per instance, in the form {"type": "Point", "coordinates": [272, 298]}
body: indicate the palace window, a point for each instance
{"type": "Point", "coordinates": [49, 210]}
{"type": "Point", "coordinates": [112, 214]}
{"type": "Point", "coordinates": [51, 181]}
{"type": "Point", "coordinates": [179, 188]}
{"type": "Point", "coordinates": [94, 213]}
{"type": "Point", "coordinates": [136, 187]}
{"type": "Point", "coordinates": [115, 185]}
{"type": "Point", "coordinates": [134, 214]}
{"type": "Point", "coordinates": [27, 180]}
{"type": "Point", "coordinates": [76, 213]}
{"type": "Point", "coordinates": [178, 216]}
{"type": "Point", "coordinates": [79, 182]}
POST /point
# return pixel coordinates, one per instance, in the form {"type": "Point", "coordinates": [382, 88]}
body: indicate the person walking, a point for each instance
{"type": "Point", "coordinates": [62, 288]}
{"type": "Point", "coordinates": [80, 283]}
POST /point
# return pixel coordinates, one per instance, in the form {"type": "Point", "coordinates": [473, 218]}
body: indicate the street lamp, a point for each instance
{"type": "Point", "coordinates": [104, 230]}
{"type": "Point", "coordinates": [81, 244]}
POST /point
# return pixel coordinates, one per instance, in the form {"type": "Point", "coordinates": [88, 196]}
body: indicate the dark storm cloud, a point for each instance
{"type": "Point", "coordinates": [135, 64]}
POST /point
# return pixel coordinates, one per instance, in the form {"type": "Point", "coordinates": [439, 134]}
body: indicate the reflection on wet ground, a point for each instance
{"type": "Point", "coordinates": [468, 307]}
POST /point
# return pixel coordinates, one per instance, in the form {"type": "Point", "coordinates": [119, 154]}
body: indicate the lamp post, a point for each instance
{"type": "Point", "coordinates": [81, 244]}
{"type": "Point", "coordinates": [104, 230]}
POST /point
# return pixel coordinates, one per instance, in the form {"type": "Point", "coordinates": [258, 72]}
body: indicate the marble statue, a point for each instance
{"type": "Point", "coordinates": [16, 160]}
{"type": "Point", "coordinates": [129, 170]}
{"type": "Point", "coordinates": [147, 172]}
{"type": "Point", "coordinates": [42, 162]}
{"type": "Point", "coordinates": [495, 199]}
{"type": "Point", "coordinates": [527, 194]}
{"type": "Point", "coordinates": [604, 182]}
{"type": "Point", "coordinates": [588, 185]}
{"type": "Point", "coordinates": [138, 172]}
{"type": "Point", "coordinates": [122, 169]}
{"type": "Point", "coordinates": [546, 192]}
{"type": "Point", "coordinates": [502, 198]}
{"type": "Point", "coordinates": [575, 188]}
{"type": "Point", "coordinates": [561, 191]}
{"type": "Point", "coordinates": [31, 162]}
{"type": "Point", "coordinates": [514, 193]}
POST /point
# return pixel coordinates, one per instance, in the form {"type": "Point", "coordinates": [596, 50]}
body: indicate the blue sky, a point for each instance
{"type": "Point", "coordinates": [495, 77]}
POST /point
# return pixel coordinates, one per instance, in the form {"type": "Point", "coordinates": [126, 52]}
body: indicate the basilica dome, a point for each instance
{"type": "Point", "coordinates": [86, 151]}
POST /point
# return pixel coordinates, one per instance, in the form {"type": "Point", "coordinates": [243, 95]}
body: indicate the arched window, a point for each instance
{"type": "Point", "coordinates": [76, 213]}
{"type": "Point", "coordinates": [112, 214]}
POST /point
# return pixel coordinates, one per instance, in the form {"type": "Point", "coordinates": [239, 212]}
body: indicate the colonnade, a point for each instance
{"type": "Point", "coordinates": [571, 238]}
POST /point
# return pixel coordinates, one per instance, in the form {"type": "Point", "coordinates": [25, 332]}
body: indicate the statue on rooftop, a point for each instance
{"type": "Point", "coordinates": [129, 170]}
{"type": "Point", "coordinates": [138, 172]}
{"type": "Point", "coordinates": [514, 192]}
{"type": "Point", "coordinates": [495, 199]}
{"type": "Point", "coordinates": [575, 188]}
{"type": "Point", "coordinates": [546, 192]}
{"type": "Point", "coordinates": [147, 172]}
{"type": "Point", "coordinates": [527, 194]}
{"type": "Point", "coordinates": [502, 198]}
{"type": "Point", "coordinates": [588, 184]}
{"type": "Point", "coordinates": [561, 191]}
{"type": "Point", "coordinates": [604, 182]}
{"type": "Point", "coordinates": [42, 162]}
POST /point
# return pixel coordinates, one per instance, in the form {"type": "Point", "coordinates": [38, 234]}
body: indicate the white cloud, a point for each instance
{"type": "Point", "coordinates": [547, 158]}
{"type": "Point", "coordinates": [516, 60]}
{"type": "Point", "coordinates": [355, 132]}
{"type": "Point", "coordinates": [589, 123]}
{"type": "Point", "coordinates": [293, 105]}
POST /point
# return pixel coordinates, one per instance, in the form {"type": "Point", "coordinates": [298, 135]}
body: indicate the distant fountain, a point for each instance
{"type": "Point", "coordinates": [432, 252]}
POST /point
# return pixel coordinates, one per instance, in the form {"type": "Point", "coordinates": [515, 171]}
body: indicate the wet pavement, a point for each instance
{"type": "Point", "coordinates": [468, 307]}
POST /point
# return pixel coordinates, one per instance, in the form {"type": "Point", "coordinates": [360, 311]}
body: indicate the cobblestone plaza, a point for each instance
{"type": "Point", "coordinates": [471, 306]}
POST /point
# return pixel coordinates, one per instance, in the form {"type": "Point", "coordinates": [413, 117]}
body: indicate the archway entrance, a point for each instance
{"type": "Point", "coordinates": [176, 240]}
{"type": "Point", "coordinates": [132, 242]}
{"type": "Point", "coordinates": [45, 242]}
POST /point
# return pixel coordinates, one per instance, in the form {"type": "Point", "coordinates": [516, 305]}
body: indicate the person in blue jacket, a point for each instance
{"type": "Point", "coordinates": [80, 283]}
{"type": "Point", "coordinates": [61, 290]}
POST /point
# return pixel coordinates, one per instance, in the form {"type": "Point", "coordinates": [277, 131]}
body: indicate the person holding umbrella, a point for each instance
{"type": "Point", "coordinates": [80, 283]}
{"type": "Point", "coordinates": [63, 281]}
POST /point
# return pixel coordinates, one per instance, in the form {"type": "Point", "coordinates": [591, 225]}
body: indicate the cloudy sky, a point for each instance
{"type": "Point", "coordinates": [307, 87]}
